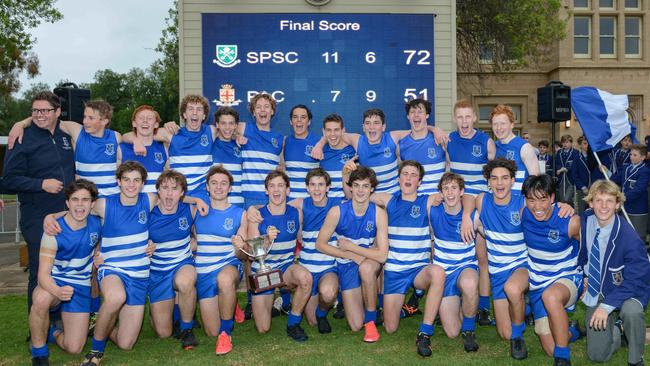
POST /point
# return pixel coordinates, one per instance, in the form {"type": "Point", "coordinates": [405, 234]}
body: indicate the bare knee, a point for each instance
{"type": "Point", "coordinates": [328, 294]}
{"type": "Point", "coordinates": [452, 331]}
{"type": "Point", "coordinates": [186, 284]}
{"type": "Point", "coordinates": [262, 328]}
{"type": "Point", "coordinates": [115, 299]}
{"type": "Point", "coordinates": [226, 283]}
{"type": "Point", "coordinates": [391, 328]}
{"type": "Point", "coordinates": [163, 332]}
{"type": "Point", "coordinates": [305, 282]}
{"type": "Point", "coordinates": [125, 345]}
{"type": "Point", "coordinates": [468, 284]}
{"type": "Point", "coordinates": [550, 298]}
{"type": "Point", "coordinates": [41, 302]}
{"type": "Point", "coordinates": [74, 348]}
{"type": "Point", "coordinates": [513, 290]}
{"type": "Point", "coordinates": [367, 271]}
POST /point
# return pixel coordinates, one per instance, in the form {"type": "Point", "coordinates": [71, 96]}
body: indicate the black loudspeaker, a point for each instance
{"type": "Point", "coordinates": [554, 102]}
{"type": "Point", "coordinates": [72, 101]}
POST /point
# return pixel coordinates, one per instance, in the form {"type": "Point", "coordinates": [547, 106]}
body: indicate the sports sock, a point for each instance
{"type": "Point", "coordinates": [427, 329]}
{"type": "Point", "coordinates": [320, 313]}
{"type": "Point", "coordinates": [370, 316]}
{"type": "Point", "coordinates": [286, 298]}
{"type": "Point", "coordinates": [294, 319]}
{"type": "Point", "coordinates": [41, 351]}
{"type": "Point", "coordinates": [484, 302]}
{"type": "Point", "coordinates": [419, 293]}
{"type": "Point", "coordinates": [95, 304]}
{"type": "Point", "coordinates": [98, 346]}
{"type": "Point", "coordinates": [339, 298]}
{"type": "Point", "coordinates": [562, 352]}
{"type": "Point", "coordinates": [380, 301]}
{"type": "Point", "coordinates": [469, 324]}
{"type": "Point", "coordinates": [176, 315]}
{"type": "Point", "coordinates": [575, 334]}
{"type": "Point", "coordinates": [226, 326]}
{"type": "Point", "coordinates": [186, 325]}
{"type": "Point", "coordinates": [50, 334]}
{"type": "Point", "coordinates": [518, 330]}
{"type": "Point", "coordinates": [249, 296]}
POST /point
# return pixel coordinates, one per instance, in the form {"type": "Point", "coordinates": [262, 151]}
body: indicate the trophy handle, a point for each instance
{"type": "Point", "coordinates": [245, 252]}
{"type": "Point", "coordinates": [269, 248]}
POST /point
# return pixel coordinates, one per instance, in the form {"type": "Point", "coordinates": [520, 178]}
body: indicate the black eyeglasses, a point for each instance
{"type": "Point", "coordinates": [42, 111]}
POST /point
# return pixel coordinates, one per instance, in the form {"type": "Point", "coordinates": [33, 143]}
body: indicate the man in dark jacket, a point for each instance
{"type": "Point", "coordinates": [618, 277]}
{"type": "Point", "coordinates": [38, 170]}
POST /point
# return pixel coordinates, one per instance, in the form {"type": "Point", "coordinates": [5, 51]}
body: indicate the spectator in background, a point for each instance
{"type": "Point", "coordinates": [564, 159]}
{"type": "Point", "coordinates": [37, 170]}
{"type": "Point", "coordinates": [581, 174]}
{"type": "Point", "coordinates": [543, 155]}
{"type": "Point", "coordinates": [633, 178]}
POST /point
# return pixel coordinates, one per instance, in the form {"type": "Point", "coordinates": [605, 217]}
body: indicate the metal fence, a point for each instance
{"type": "Point", "coordinates": [10, 215]}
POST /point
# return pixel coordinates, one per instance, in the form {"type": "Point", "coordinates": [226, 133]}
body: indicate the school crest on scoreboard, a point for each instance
{"type": "Point", "coordinates": [226, 55]}
{"type": "Point", "coordinates": [227, 97]}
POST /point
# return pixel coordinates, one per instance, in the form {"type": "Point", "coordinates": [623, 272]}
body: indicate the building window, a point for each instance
{"type": "Point", "coordinates": [581, 4]}
{"type": "Point", "coordinates": [484, 111]}
{"type": "Point", "coordinates": [607, 4]}
{"type": "Point", "coordinates": [607, 36]}
{"type": "Point", "coordinates": [486, 54]}
{"type": "Point", "coordinates": [633, 37]}
{"type": "Point", "coordinates": [582, 36]}
{"type": "Point", "coordinates": [633, 4]}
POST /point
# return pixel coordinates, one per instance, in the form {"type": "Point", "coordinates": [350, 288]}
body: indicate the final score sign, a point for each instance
{"type": "Point", "coordinates": [333, 63]}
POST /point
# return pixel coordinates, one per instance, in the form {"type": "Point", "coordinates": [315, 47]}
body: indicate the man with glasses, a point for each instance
{"type": "Point", "coordinates": [37, 170]}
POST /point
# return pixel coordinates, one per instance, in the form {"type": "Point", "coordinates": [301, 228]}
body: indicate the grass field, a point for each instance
{"type": "Point", "coordinates": [341, 347]}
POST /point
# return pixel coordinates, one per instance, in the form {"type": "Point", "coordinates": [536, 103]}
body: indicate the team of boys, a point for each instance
{"type": "Point", "coordinates": [526, 241]}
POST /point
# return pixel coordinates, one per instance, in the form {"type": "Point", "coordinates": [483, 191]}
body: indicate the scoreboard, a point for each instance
{"type": "Point", "coordinates": [332, 63]}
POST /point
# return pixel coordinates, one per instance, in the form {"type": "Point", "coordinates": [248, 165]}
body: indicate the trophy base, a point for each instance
{"type": "Point", "coordinates": [262, 281]}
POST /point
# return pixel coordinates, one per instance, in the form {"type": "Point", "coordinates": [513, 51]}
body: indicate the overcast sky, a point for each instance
{"type": "Point", "coordinates": [95, 35]}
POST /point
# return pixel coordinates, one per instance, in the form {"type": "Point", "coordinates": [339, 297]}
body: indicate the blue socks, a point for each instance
{"type": "Point", "coordinates": [426, 329]}
{"type": "Point", "coordinates": [321, 313]}
{"type": "Point", "coordinates": [42, 351]}
{"type": "Point", "coordinates": [370, 316]}
{"type": "Point", "coordinates": [294, 319]}
{"type": "Point", "coordinates": [226, 326]}
{"type": "Point", "coordinates": [380, 301]}
{"type": "Point", "coordinates": [249, 296]}
{"type": "Point", "coordinates": [98, 346]}
{"type": "Point", "coordinates": [575, 335]}
{"type": "Point", "coordinates": [95, 303]}
{"type": "Point", "coordinates": [286, 299]}
{"type": "Point", "coordinates": [484, 302]}
{"type": "Point", "coordinates": [176, 315]}
{"type": "Point", "coordinates": [562, 352]}
{"type": "Point", "coordinates": [469, 324]}
{"type": "Point", "coordinates": [518, 330]}
{"type": "Point", "coordinates": [186, 325]}
{"type": "Point", "coordinates": [50, 334]}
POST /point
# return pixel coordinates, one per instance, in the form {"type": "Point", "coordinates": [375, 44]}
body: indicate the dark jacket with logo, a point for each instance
{"type": "Point", "coordinates": [41, 155]}
{"type": "Point", "coordinates": [625, 271]}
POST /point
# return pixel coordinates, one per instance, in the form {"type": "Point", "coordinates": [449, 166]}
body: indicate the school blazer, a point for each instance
{"type": "Point", "coordinates": [626, 271]}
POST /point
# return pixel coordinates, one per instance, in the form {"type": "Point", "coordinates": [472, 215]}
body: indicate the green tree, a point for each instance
{"type": "Point", "coordinates": [513, 33]}
{"type": "Point", "coordinates": [14, 109]}
{"type": "Point", "coordinates": [17, 17]}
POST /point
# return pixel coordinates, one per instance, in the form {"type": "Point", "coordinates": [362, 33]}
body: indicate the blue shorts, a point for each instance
{"type": "Point", "coordinates": [537, 304]}
{"type": "Point", "coordinates": [161, 283]}
{"type": "Point", "coordinates": [80, 301]}
{"type": "Point", "coordinates": [498, 281]}
{"type": "Point", "coordinates": [206, 283]}
{"type": "Point", "coordinates": [400, 282]}
{"type": "Point", "coordinates": [135, 288]}
{"type": "Point", "coordinates": [348, 276]}
{"type": "Point", "coordinates": [270, 292]}
{"type": "Point", "coordinates": [316, 277]}
{"type": "Point", "coordinates": [451, 282]}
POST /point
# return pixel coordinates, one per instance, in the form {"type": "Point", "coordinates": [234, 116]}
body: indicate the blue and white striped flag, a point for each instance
{"type": "Point", "coordinates": [602, 116]}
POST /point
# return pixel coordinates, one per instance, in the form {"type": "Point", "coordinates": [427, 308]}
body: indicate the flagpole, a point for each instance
{"type": "Point", "coordinates": [607, 177]}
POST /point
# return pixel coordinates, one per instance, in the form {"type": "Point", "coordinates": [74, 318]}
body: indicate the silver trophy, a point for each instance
{"type": "Point", "coordinates": [265, 278]}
